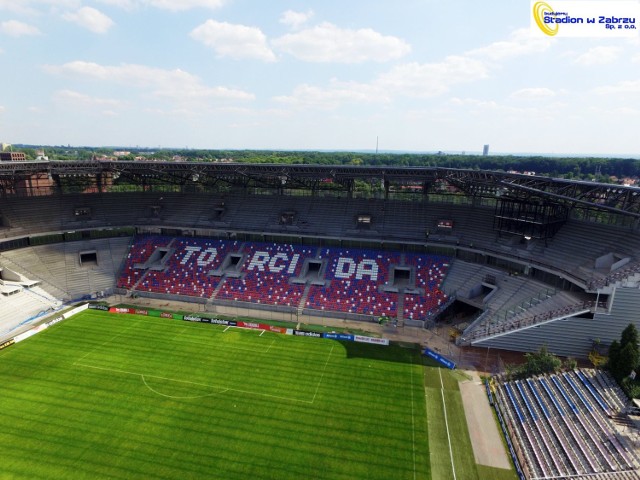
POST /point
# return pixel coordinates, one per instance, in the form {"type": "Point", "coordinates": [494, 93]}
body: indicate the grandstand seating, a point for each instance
{"type": "Point", "coordinates": [561, 425]}
{"type": "Point", "coordinates": [353, 278]}
{"type": "Point", "coordinates": [140, 252]}
{"type": "Point", "coordinates": [186, 271]}
{"type": "Point", "coordinates": [261, 284]}
{"type": "Point", "coordinates": [573, 250]}
{"type": "Point", "coordinates": [571, 254]}
{"type": "Point", "coordinates": [430, 272]}
{"type": "Point", "coordinates": [349, 291]}
{"type": "Point", "coordinates": [21, 307]}
{"type": "Point", "coordinates": [58, 267]}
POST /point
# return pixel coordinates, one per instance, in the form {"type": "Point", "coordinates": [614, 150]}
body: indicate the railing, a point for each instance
{"type": "Point", "coordinates": [614, 277]}
{"type": "Point", "coordinates": [433, 316]}
{"type": "Point", "coordinates": [512, 310]}
{"type": "Point", "coordinates": [529, 321]}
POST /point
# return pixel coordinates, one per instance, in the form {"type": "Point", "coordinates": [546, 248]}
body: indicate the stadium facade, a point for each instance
{"type": "Point", "coordinates": [541, 260]}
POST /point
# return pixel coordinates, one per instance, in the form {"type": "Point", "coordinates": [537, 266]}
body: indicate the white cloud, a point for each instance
{"type": "Point", "coordinates": [70, 97]}
{"type": "Point", "coordinates": [30, 7]}
{"type": "Point", "coordinates": [432, 79]}
{"type": "Point", "coordinates": [91, 19]}
{"type": "Point", "coordinates": [176, 85]}
{"type": "Point", "coordinates": [177, 5]}
{"type": "Point", "coordinates": [628, 86]}
{"type": "Point", "coordinates": [329, 43]}
{"type": "Point", "coordinates": [408, 80]}
{"type": "Point", "coordinates": [15, 28]}
{"type": "Point", "coordinates": [235, 41]}
{"type": "Point", "coordinates": [418, 80]}
{"type": "Point", "coordinates": [333, 96]}
{"type": "Point", "coordinates": [625, 111]}
{"type": "Point", "coordinates": [295, 19]}
{"type": "Point", "coordinates": [486, 109]}
{"type": "Point", "coordinates": [172, 5]}
{"type": "Point", "coordinates": [533, 93]}
{"type": "Point", "coordinates": [474, 102]}
{"type": "Point", "coordinates": [124, 4]}
{"type": "Point", "coordinates": [521, 42]}
{"type": "Point", "coordinates": [598, 56]}
{"type": "Point", "coordinates": [1, 109]}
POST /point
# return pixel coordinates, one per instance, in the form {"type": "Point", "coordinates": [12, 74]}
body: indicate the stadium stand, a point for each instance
{"type": "Point", "coordinates": [582, 271]}
{"type": "Point", "coordinates": [430, 272]}
{"type": "Point", "coordinates": [354, 280]}
{"type": "Point", "coordinates": [58, 266]}
{"type": "Point", "coordinates": [186, 269]}
{"type": "Point", "coordinates": [561, 426]}
{"type": "Point", "coordinates": [268, 269]}
{"type": "Point", "coordinates": [22, 300]}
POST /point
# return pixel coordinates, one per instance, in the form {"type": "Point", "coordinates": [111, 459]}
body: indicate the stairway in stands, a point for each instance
{"type": "Point", "coordinates": [135, 285]}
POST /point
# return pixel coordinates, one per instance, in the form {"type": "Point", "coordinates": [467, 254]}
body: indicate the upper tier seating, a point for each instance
{"type": "Point", "coordinates": [573, 250]}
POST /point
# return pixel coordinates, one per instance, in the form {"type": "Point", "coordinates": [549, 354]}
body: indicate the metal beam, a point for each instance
{"type": "Point", "coordinates": [612, 198]}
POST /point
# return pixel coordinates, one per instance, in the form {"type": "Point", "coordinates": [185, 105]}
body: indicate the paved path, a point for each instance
{"type": "Point", "coordinates": [488, 448]}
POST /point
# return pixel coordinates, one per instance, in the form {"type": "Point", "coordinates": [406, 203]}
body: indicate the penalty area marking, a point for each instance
{"type": "Point", "coordinates": [322, 375]}
{"type": "Point", "coordinates": [446, 422]}
{"type": "Point", "coordinates": [413, 423]}
{"type": "Point", "coordinates": [144, 380]}
{"type": "Point", "coordinates": [246, 392]}
{"type": "Point", "coordinates": [106, 342]}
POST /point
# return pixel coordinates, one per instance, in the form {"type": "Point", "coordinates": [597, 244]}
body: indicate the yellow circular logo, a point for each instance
{"type": "Point", "coordinates": [539, 8]}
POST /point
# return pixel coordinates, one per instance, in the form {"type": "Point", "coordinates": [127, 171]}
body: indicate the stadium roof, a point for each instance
{"type": "Point", "coordinates": [613, 198]}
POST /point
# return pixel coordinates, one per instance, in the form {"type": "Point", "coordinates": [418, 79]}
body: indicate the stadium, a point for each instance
{"type": "Point", "coordinates": [499, 261]}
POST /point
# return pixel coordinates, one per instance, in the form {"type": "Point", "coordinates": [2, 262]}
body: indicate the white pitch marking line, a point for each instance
{"type": "Point", "coordinates": [446, 422]}
{"type": "Point", "coordinates": [144, 380]}
{"type": "Point", "coordinates": [246, 392]}
{"type": "Point", "coordinates": [271, 345]}
{"type": "Point", "coordinates": [413, 422]}
{"type": "Point", "coordinates": [106, 341]}
{"type": "Point", "coordinates": [322, 375]}
{"type": "Point", "coordinates": [228, 327]}
{"type": "Point", "coordinates": [261, 332]}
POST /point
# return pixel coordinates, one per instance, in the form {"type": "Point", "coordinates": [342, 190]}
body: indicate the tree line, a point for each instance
{"type": "Point", "coordinates": [582, 168]}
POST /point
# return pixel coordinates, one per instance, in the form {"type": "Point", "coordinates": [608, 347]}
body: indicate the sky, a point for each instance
{"type": "Point", "coordinates": [414, 75]}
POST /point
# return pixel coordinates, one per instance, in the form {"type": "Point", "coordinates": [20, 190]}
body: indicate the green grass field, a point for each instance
{"type": "Point", "coordinates": [108, 396]}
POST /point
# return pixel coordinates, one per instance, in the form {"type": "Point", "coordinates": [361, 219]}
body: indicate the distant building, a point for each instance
{"type": "Point", "coordinates": [485, 150]}
{"type": "Point", "coordinates": [12, 157]}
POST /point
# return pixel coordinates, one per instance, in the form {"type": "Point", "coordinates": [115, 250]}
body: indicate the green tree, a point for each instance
{"type": "Point", "coordinates": [629, 357]}
{"type": "Point", "coordinates": [629, 336]}
{"type": "Point", "coordinates": [570, 363]}
{"type": "Point", "coordinates": [614, 358]}
{"type": "Point", "coordinates": [541, 361]}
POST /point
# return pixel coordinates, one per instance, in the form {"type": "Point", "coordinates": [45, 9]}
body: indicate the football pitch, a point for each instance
{"type": "Point", "coordinates": [108, 396]}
